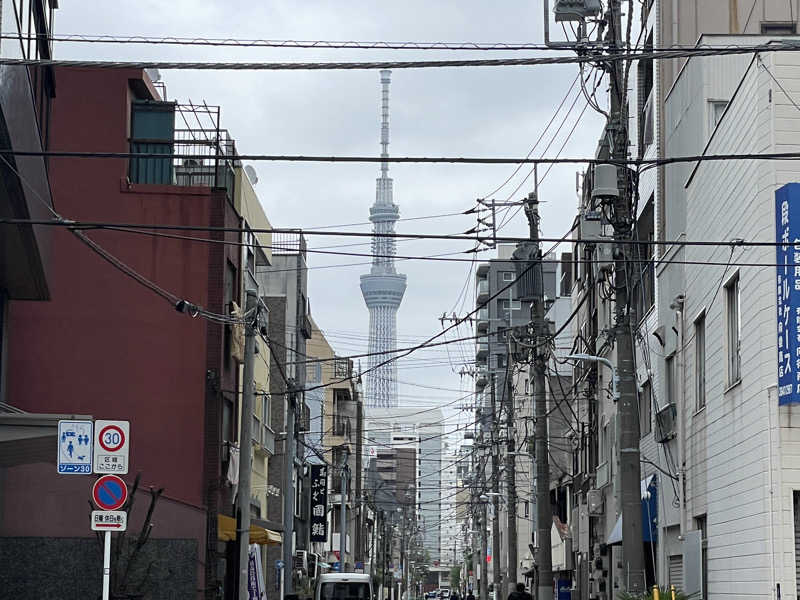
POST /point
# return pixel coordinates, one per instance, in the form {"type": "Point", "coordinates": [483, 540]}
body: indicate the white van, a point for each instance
{"type": "Point", "coordinates": [343, 586]}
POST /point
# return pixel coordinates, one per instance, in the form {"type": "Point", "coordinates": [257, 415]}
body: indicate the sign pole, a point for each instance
{"type": "Point", "coordinates": [106, 564]}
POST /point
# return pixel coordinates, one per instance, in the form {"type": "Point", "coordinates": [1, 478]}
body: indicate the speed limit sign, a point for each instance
{"type": "Point", "coordinates": [111, 444]}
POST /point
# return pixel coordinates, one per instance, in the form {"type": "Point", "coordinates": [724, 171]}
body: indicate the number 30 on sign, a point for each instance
{"type": "Point", "coordinates": [111, 445]}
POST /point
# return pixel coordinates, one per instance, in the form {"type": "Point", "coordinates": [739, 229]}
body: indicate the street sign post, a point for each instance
{"type": "Point", "coordinates": [109, 520]}
{"type": "Point", "coordinates": [111, 445]}
{"type": "Point", "coordinates": [109, 492]}
{"type": "Point", "coordinates": [75, 447]}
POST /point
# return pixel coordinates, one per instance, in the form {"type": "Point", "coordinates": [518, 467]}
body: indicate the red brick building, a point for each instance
{"type": "Point", "coordinates": [107, 346]}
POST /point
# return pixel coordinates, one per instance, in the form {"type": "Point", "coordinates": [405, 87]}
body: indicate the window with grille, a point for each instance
{"type": "Point", "coordinates": [700, 361]}
{"type": "Point", "coordinates": [733, 324]}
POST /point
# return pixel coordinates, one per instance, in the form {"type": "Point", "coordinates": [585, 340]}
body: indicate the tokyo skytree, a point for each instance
{"type": "Point", "coordinates": [383, 287]}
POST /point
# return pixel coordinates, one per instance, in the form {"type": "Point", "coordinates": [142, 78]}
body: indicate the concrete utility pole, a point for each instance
{"type": "Point", "coordinates": [484, 589]}
{"type": "Point", "coordinates": [495, 492]}
{"type": "Point", "coordinates": [628, 409]}
{"type": "Point", "coordinates": [245, 446]}
{"type": "Point", "coordinates": [511, 488]}
{"type": "Point", "coordinates": [343, 515]}
{"type": "Point", "coordinates": [538, 373]}
{"type": "Point", "coordinates": [288, 488]}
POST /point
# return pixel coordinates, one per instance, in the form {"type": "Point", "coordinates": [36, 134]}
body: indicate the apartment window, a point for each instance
{"type": "Point", "coordinates": [250, 242]}
{"type": "Point", "coordinates": [266, 410]}
{"type": "Point", "coordinates": [670, 387]}
{"type": "Point", "coordinates": [646, 100]}
{"type": "Point", "coordinates": [644, 284]}
{"type": "Point", "coordinates": [733, 326]}
{"type": "Point", "coordinates": [701, 523]}
{"type": "Point", "coordinates": [715, 110]}
{"type": "Point", "coordinates": [700, 361]}
{"type": "Point", "coordinates": [603, 444]}
{"type": "Point", "coordinates": [778, 28]}
{"type": "Point", "coordinates": [508, 276]}
{"type": "Point", "coordinates": [527, 509]}
{"type": "Point", "coordinates": [645, 408]}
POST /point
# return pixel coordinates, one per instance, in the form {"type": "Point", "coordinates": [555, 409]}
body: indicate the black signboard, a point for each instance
{"type": "Point", "coordinates": [319, 503]}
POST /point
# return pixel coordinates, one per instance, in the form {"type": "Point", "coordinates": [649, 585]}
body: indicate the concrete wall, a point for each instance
{"type": "Point", "coordinates": [741, 463]}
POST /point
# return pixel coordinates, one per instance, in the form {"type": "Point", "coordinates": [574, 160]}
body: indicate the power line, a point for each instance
{"type": "Point", "coordinates": [587, 58]}
{"type": "Point", "coordinates": [88, 225]}
{"type": "Point", "coordinates": [646, 163]}
{"type": "Point", "coordinates": [317, 44]}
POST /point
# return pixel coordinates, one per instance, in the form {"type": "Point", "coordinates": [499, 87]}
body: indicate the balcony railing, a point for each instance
{"type": "Point", "coordinates": [483, 319]}
{"type": "Point", "coordinates": [483, 290]}
{"type": "Point", "coordinates": [204, 155]}
{"type": "Point", "coordinates": [482, 347]}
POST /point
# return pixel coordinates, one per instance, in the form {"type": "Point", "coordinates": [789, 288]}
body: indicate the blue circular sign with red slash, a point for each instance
{"type": "Point", "coordinates": [109, 492]}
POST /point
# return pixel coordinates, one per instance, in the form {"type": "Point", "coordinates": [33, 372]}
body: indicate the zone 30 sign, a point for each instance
{"type": "Point", "coordinates": [111, 445]}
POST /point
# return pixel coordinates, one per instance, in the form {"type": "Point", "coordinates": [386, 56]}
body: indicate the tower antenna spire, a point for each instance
{"type": "Point", "coordinates": [386, 78]}
{"type": "Point", "coordinates": [383, 287]}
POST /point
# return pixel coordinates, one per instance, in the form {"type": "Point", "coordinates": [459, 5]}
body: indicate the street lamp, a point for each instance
{"type": "Point", "coordinates": [606, 362]}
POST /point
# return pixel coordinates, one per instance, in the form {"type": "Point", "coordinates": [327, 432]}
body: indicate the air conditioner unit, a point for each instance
{"type": "Point", "coordinates": [594, 501]}
{"type": "Point", "coordinates": [301, 560]}
{"type": "Point", "coordinates": [665, 423]}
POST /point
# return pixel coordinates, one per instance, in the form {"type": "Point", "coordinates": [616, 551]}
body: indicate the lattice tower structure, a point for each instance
{"type": "Point", "coordinates": [383, 287]}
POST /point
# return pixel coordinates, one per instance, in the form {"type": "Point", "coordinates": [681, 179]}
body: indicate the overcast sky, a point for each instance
{"type": "Point", "coordinates": [483, 111]}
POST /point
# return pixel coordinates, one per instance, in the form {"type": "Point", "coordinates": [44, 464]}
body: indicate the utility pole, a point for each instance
{"type": "Point", "coordinates": [288, 488]}
{"type": "Point", "coordinates": [484, 589]}
{"type": "Point", "coordinates": [629, 469]}
{"type": "Point", "coordinates": [496, 492]}
{"type": "Point", "coordinates": [343, 514]}
{"type": "Point", "coordinates": [538, 373]}
{"type": "Point", "coordinates": [511, 488]}
{"type": "Point", "coordinates": [245, 446]}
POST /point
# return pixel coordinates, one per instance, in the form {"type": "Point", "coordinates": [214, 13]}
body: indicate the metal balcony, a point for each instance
{"type": "Point", "coordinates": [482, 347]}
{"type": "Point", "coordinates": [482, 322]}
{"type": "Point", "coordinates": [483, 291]}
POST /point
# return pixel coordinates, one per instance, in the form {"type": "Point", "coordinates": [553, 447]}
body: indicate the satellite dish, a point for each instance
{"type": "Point", "coordinates": [251, 174]}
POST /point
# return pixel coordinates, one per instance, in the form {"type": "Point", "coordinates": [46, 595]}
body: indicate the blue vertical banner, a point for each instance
{"type": "Point", "coordinates": [787, 234]}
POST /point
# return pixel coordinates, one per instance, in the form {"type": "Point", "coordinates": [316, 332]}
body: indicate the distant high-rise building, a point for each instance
{"type": "Point", "coordinates": [383, 287]}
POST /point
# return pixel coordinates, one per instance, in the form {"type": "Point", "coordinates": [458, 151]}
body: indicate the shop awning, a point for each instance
{"type": "Point", "coordinates": [649, 492]}
{"type": "Point", "coordinates": [226, 532]}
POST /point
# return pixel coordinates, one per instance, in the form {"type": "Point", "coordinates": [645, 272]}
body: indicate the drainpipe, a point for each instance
{"type": "Point", "coordinates": [681, 410]}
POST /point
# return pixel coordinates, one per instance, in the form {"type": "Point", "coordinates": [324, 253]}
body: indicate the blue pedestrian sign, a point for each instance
{"type": "Point", "coordinates": [278, 564]}
{"type": "Point", "coordinates": [75, 447]}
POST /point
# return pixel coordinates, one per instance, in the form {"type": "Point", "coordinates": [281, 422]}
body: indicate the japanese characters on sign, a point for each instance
{"type": "Point", "coordinates": [319, 503]}
{"type": "Point", "coordinates": [787, 220]}
{"type": "Point", "coordinates": [114, 520]}
{"type": "Point", "coordinates": [111, 445]}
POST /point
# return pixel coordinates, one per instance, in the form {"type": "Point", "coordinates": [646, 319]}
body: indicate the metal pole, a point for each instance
{"type": "Point", "coordinates": [288, 489]}
{"type": "Point", "coordinates": [629, 470]}
{"type": "Point", "coordinates": [106, 564]}
{"type": "Point", "coordinates": [245, 446]}
{"type": "Point", "coordinates": [343, 518]}
{"type": "Point", "coordinates": [538, 373]}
